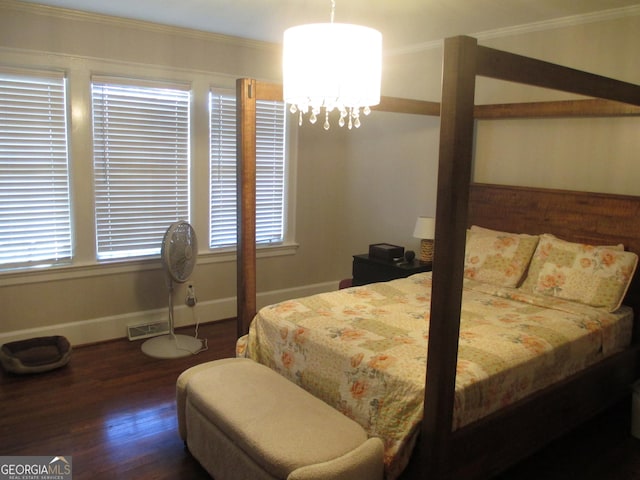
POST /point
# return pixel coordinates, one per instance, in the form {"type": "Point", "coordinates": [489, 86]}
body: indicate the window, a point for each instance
{"type": "Point", "coordinates": [35, 227]}
{"type": "Point", "coordinates": [141, 165]}
{"type": "Point", "coordinates": [270, 171]}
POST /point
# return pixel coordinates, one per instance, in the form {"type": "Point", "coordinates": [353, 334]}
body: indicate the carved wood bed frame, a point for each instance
{"type": "Point", "coordinates": [488, 446]}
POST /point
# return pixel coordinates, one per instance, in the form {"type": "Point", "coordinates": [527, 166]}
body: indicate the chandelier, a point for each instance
{"type": "Point", "coordinates": [329, 66]}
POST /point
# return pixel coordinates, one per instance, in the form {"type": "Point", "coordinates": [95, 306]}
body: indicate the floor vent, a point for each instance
{"type": "Point", "coordinates": [149, 329]}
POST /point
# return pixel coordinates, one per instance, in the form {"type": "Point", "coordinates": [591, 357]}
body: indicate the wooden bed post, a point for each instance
{"type": "Point", "coordinates": [246, 204]}
{"type": "Point", "coordinates": [454, 176]}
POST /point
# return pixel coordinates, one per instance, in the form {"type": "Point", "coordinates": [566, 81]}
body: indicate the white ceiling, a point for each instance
{"type": "Point", "coordinates": [403, 23]}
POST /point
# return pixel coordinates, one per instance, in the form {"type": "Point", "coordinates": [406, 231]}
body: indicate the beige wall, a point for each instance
{"type": "Point", "coordinates": [352, 188]}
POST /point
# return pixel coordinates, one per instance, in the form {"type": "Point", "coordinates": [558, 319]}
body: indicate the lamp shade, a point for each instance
{"type": "Point", "coordinates": [425, 228]}
{"type": "Point", "coordinates": [331, 65]}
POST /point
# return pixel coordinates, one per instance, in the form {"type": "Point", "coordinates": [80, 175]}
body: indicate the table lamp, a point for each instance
{"type": "Point", "coordinates": [425, 230]}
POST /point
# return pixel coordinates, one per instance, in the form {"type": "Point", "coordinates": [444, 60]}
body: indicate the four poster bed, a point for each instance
{"type": "Point", "coordinates": [537, 406]}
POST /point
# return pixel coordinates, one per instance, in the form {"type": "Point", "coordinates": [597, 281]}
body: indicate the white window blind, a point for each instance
{"type": "Point", "coordinates": [141, 166]}
{"type": "Point", "coordinates": [35, 226]}
{"type": "Point", "coordinates": [270, 171]}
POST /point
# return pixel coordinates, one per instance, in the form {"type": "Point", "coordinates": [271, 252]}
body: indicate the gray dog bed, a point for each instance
{"type": "Point", "coordinates": [35, 355]}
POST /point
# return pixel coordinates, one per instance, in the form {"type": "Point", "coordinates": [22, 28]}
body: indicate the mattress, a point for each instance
{"type": "Point", "coordinates": [363, 350]}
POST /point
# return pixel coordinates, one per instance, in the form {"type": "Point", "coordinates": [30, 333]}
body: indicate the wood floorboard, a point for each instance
{"type": "Point", "coordinates": [112, 409]}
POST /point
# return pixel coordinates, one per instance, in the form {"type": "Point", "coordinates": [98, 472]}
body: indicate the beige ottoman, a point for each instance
{"type": "Point", "coordinates": [242, 420]}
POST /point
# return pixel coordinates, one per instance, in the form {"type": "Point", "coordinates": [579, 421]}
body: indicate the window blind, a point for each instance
{"type": "Point", "coordinates": [141, 166]}
{"type": "Point", "coordinates": [270, 171]}
{"type": "Point", "coordinates": [35, 227]}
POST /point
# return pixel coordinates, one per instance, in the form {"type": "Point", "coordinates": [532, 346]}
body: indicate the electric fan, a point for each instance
{"type": "Point", "coordinates": [178, 254]}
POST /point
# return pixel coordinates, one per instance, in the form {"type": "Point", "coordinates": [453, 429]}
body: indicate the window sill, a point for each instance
{"type": "Point", "coordinates": [262, 251]}
{"type": "Point", "coordinates": [67, 272]}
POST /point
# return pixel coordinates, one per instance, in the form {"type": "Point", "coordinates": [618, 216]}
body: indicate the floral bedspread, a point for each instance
{"type": "Point", "coordinates": [363, 350]}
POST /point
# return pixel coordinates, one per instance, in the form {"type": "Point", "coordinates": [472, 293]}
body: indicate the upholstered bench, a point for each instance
{"type": "Point", "coordinates": [242, 420]}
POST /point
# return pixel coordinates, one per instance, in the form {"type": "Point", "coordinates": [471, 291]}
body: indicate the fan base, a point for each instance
{"type": "Point", "coordinates": [172, 346]}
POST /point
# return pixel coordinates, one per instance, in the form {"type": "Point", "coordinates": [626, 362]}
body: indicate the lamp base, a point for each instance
{"type": "Point", "coordinates": [426, 250]}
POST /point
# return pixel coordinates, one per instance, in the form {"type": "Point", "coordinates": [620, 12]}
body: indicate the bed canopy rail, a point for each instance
{"type": "Point", "coordinates": [501, 65]}
{"type": "Point", "coordinates": [463, 61]}
{"type": "Point", "coordinates": [561, 108]}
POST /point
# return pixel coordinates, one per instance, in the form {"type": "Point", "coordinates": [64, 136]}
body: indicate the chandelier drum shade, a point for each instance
{"type": "Point", "coordinates": [329, 66]}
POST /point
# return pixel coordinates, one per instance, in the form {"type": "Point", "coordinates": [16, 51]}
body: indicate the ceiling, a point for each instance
{"type": "Point", "coordinates": [403, 23]}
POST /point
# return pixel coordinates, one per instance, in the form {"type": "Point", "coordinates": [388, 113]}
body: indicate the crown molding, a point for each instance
{"type": "Point", "coordinates": [562, 22]}
{"type": "Point", "coordinates": [69, 14]}
{"type": "Point", "coordinates": [555, 23]}
{"type": "Point", "coordinates": [108, 20]}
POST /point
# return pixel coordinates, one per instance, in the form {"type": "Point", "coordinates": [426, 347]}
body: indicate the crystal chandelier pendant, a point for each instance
{"type": "Point", "coordinates": [343, 114]}
{"type": "Point", "coordinates": [332, 66]}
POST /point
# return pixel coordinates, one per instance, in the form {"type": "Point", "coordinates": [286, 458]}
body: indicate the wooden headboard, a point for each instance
{"type": "Point", "coordinates": [593, 218]}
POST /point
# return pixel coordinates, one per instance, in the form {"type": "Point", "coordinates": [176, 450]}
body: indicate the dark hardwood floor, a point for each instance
{"type": "Point", "coordinates": [112, 409]}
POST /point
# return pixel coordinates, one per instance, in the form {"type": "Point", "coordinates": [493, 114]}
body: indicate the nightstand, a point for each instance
{"type": "Point", "coordinates": [369, 270]}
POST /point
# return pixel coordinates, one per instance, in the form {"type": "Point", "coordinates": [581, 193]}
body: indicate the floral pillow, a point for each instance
{"type": "Point", "coordinates": [596, 276]}
{"type": "Point", "coordinates": [495, 257]}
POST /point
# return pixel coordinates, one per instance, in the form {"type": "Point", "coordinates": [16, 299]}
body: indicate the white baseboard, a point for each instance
{"type": "Point", "coordinates": [112, 327]}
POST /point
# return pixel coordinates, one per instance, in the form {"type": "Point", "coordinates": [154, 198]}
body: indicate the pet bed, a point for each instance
{"type": "Point", "coordinates": [35, 355]}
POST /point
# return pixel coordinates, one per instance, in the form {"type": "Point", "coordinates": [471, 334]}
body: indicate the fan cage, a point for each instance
{"type": "Point", "coordinates": [179, 251]}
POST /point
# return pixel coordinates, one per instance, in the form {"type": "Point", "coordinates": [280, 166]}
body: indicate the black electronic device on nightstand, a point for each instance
{"type": "Point", "coordinates": [367, 269]}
